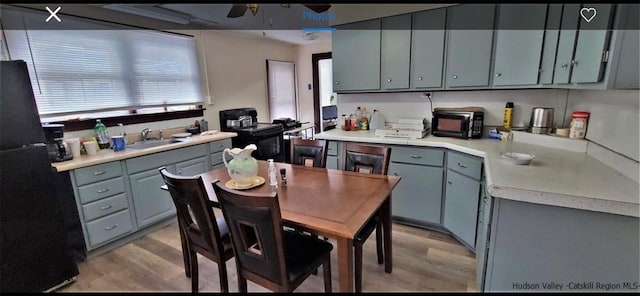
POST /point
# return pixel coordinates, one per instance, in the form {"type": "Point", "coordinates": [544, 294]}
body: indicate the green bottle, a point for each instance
{"type": "Point", "coordinates": [103, 135]}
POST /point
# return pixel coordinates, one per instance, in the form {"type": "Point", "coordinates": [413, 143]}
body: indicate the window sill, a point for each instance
{"type": "Point", "coordinates": [89, 123]}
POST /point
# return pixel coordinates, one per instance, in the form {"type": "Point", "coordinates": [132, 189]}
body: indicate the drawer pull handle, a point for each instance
{"type": "Point", "coordinates": [99, 173]}
{"type": "Point", "coordinates": [106, 207]}
{"type": "Point", "coordinates": [464, 166]}
{"type": "Point", "coordinates": [449, 182]}
{"type": "Point", "coordinates": [103, 190]}
{"type": "Point", "coordinates": [415, 156]}
{"type": "Point", "coordinates": [111, 227]}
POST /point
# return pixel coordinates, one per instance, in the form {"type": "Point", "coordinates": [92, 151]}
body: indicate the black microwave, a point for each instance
{"type": "Point", "coordinates": [461, 123]}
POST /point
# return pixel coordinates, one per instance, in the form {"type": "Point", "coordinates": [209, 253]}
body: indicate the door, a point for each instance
{"type": "Point", "coordinates": [461, 206]}
{"type": "Point", "coordinates": [323, 94]}
{"type": "Point", "coordinates": [356, 56]}
{"type": "Point", "coordinates": [151, 202]}
{"type": "Point", "coordinates": [427, 48]}
{"type": "Point", "coordinates": [395, 52]}
{"type": "Point", "coordinates": [419, 195]}
{"type": "Point", "coordinates": [519, 36]}
{"type": "Point", "coordinates": [469, 45]}
{"type": "Point", "coordinates": [593, 41]}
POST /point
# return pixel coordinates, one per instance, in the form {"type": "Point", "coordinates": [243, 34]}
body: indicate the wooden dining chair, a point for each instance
{"type": "Point", "coordinates": [309, 152]}
{"type": "Point", "coordinates": [370, 160]}
{"type": "Point", "coordinates": [201, 231]}
{"type": "Point", "coordinates": [265, 253]}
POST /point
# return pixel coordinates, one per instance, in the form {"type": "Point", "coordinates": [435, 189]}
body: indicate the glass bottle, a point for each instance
{"type": "Point", "coordinates": [103, 135]}
{"type": "Point", "coordinates": [358, 115]}
{"type": "Point", "coordinates": [366, 118]}
{"type": "Point", "coordinates": [273, 179]}
{"type": "Point", "coordinates": [354, 122]}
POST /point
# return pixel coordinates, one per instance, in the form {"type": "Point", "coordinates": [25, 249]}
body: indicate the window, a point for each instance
{"type": "Point", "coordinates": [103, 67]}
{"type": "Point", "coordinates": [282, 89]}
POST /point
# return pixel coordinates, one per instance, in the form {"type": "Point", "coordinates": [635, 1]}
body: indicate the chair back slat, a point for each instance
{"type": "Point", "coordinates": [255, 224]}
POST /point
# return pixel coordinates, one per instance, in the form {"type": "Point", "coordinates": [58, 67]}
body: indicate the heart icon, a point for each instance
{"type": "Point", "coordinates": [588, 13]}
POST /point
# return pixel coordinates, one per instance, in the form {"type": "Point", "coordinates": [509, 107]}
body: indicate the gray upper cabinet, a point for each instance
{"type": "Point", "coordinates": [356, 56]}
{"type": "Point", "coordinates": [395, 52]}
{"type": "Point", "coordinates": [427, 48]}
{"type": "Point", "coordinates": [550, 44]}
{"type": "Point", "coordinates": [469, 45]}
{"type": "Point", "coordinates": [626, 55]}
{"type": "Point", "coordinates": [519, 36]}
{"type": "Point", "coordinates": [592, 43]}
{"type": "Point", "coordinates": [582, 45]}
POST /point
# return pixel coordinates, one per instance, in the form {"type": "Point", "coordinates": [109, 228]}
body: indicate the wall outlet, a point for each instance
{"type": "Point", "coordinates": [209, 100]}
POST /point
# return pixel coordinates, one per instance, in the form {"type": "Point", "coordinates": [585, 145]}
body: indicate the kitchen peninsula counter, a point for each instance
{"type": "Point", "coordinates": [108, 155]}
{"type": "Point", "coordinates": [555, 177]}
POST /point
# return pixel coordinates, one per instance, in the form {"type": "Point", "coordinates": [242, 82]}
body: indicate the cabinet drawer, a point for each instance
{"type": "Point", "coordinates": [96, 191]}
{"type": "Point", "coordinates": [218, 146]}
{"type": "Point", "coordinates": [109, 227]}
{"type": "Point", "coordinates": [332, 148]}
{"type": "Point", "coordinates": [467, 165]}
{"type": "Point", "coordinates": [104, 207]}
{"type": "Point", "coordinates": [157, 160]}
{"type": "Point", "coordinates": [216, 159]}
{"type": "Point", "coordinates": [98, 173]}
{"type": "Point", "coordinates": [417, 156]}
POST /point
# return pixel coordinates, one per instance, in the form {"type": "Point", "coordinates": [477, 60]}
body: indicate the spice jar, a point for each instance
{"type": "Point", "coordinates": [578, 128]}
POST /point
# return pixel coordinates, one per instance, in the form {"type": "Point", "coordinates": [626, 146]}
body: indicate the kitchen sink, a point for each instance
{"type": "Point", "coordinates": [150, 143]}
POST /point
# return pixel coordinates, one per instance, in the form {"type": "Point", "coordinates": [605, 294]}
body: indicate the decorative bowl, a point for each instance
{"type": "Point", "coordinates": [519, 158]}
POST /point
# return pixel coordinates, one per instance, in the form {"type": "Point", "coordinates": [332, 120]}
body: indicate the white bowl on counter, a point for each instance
{"type": "Point", "coordinates": [518, 158]}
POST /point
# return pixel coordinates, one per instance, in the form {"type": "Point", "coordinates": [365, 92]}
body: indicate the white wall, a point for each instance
{"type": "Point", "coordinates": [414, 104]}
{"type": "Point", "coordinates": [614, 121]}
{"type": "Point", "coordinates": [305, 76]}
{"type": "Point", "coordinates": [237, 71]}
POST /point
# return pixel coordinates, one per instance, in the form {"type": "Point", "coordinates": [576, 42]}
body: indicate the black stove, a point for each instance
{"type": "Point", "coordinates": [267, 137]}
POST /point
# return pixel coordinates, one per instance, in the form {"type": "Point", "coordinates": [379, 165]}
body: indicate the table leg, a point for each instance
{"type": "Point", "coordinates": [386, 227]}
{"type": "Point", "coordinates": [345, 264]}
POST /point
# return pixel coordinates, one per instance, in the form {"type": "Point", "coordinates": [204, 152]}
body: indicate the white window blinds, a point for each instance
{"type": "Point", "coordinates": [75, 71]}
{"type": "Point", "coordinates": [282, 89]}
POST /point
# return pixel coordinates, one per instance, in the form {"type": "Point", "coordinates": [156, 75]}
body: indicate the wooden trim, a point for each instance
{"type": "Point", "coordinates": [75, 125]}
{"type": "Point", "coordinates": [316, 90]}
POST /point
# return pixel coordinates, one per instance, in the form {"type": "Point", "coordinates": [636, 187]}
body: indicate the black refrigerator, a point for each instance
{"type": "Point", "coordinates": [35, 255]}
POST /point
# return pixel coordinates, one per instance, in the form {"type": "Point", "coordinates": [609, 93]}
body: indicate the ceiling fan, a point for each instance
{"type": "Point", "coordinates": [238, 10]}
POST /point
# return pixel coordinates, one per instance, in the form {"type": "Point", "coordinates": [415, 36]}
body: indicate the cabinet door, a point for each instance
{"type": "Point", "coordinates": [419, 195]}
{"type": "Point", "coordinates": [566, 43]}
{"type": "Point", "coordinates": [519, 35]}
{"type": "Point", "coordinates": [332, 162]}
{"type": "Point", "coordinates": [482, 245]}
{"type": "Point", "coordinates": [593, 41]}
{"type": "Point", "coordinates": [192, 167]}
{"type": "Point", "coordinates": [356, 56]}
{"type": "Point", "coordinates": [469, 48]}
{"type": "Point", "coordinates": [427, 48]}
{"type": "Point", "coordinates": [395, 52]}
{"type": "Point", "coordinates": [151, 203]}
{"type": "Point", "coordinates": [461, 206]}
{"type": "Point", "coordinates": [550, 44]}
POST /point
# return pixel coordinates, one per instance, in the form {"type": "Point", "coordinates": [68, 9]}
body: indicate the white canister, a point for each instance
{"type": "Point", "coordinates": [578, 127]}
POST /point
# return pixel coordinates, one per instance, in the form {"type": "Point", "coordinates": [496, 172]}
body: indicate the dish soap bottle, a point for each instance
{"type": "Point", "coordinates": [103, 135]}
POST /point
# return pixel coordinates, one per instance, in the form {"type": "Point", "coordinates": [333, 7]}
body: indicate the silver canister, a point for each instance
{"type": "Point", "coordinates": [541, 120]}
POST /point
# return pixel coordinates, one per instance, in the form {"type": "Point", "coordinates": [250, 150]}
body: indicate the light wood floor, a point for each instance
{"type": "Point", "coordinates": [423, 261]}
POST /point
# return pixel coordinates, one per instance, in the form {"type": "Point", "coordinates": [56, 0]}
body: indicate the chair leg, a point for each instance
{"type": "Point", "coordinates": [326, 271]}
{"type": "Point", "coordinates": [379, 243]}
{"type": "Point", "coordinates": [194, 271]}
{"type": "Point", "coordinates": [222, 270]}
{"type": "Point", "coordinates": [315, 272]}
{"type": "Point", "coordinates": [185, 254]}
{"type": "Point", "coordinates": [242, 284]}
{"type": "Point", "coordinates": [358, 267]}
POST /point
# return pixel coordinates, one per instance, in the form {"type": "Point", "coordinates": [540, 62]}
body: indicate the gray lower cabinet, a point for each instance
{"type": "Point", "coordinates": [483, 232]}
{"type": "Point", "coordinates": [216, 149]}
{"type": "Point", "coordinates": [151, 203]}
{"type": "Point", "coordinates": [192, 167]}
{"type": "Point", "coordinates": [333, 155]}
{"type": "Point", "coordinates": [469, 44]}
{"type": "Point", "coordinates": [537, 247]}
{"type": "Point", "coordinates": [461, 206]}
{"type": "Point", "coordinates": [518, 52]}
{"type": "Point", "coordinates": [419, 195]}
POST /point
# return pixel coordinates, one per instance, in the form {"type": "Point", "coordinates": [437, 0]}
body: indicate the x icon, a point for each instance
{"type": "Point", "coordinates": [53, 14]}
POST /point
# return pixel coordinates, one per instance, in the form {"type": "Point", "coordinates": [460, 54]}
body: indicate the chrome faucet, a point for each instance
{"type": "Point", "coordinates": [145, 133]}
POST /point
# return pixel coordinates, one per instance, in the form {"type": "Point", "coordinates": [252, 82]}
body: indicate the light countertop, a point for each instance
{"type": "Point", "coordinates": [108, 155]}
{"type": "Point", "coordinates": [555, 177]}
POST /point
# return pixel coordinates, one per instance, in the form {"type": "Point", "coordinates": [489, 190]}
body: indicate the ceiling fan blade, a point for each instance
{"type": "Point", "coordinates": [318, 8]}
{"type": "Point", "coordinates": [237, 10]}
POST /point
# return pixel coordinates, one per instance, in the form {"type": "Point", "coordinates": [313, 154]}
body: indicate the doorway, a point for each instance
{"type": "Point", "coordinates": [323, 94]}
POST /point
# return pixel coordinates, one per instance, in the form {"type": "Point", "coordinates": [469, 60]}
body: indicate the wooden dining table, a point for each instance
{"type": "Point", "coordinates": [330, 203]}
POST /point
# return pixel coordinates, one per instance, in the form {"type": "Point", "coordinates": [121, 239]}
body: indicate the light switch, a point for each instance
{"type": "Point", "coordinates": [309, 86]}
